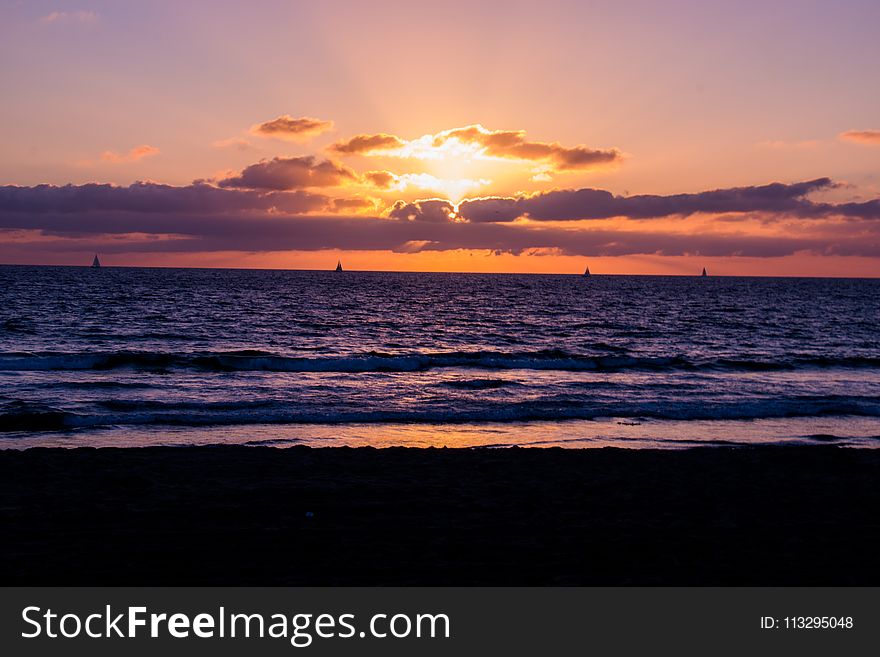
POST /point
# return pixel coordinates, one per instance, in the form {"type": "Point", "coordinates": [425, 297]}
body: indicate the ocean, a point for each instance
{"type": "Point", "coordinates": [146, 356]}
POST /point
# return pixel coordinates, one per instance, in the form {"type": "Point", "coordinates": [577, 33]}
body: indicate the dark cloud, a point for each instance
{"type": "Point", "coordinates": [278, 233]}
{"type": "Point", "coordinates": [353, 204]}
{"type": "Point", "coordinates": [287, 127]}
{"type": "Point", "coordinates": [152, 198]}
{"type": "Point", "coordinates": [202, 217]}
{"type": "Point", "coordinates": [865, 210]}
{"type": "Point", "coordinates": [776, 199]}
{"type": "Point", "coordinates": [285, 173]}
{"type": "Point", "coordinates": [572, 205]}
{"type": "Point", "coordinates": [381, 179]}
{"type": "Point", "coordinates": [431, 210]}
{"type": "Point", "coordinates": [492, 209]}
{"type": "Point", "coordinates": [367, 143]}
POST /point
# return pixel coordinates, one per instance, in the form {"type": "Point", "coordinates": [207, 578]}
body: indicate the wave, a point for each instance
{"type": "Point", "coordinates": [549, 359]}
{"type": "Point", "coordinates": [480, 384]}
{"type": "Point", "coordinates": [97, 385]}
{"type": "Point", "coordinates": [27, 416]}
{"type": "Point", "coordinates": [18, 325]}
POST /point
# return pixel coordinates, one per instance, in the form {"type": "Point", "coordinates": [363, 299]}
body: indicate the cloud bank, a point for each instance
{"type": "Point", "coordinates": [148, 217]}
{"type": "Point", "coordinates": [580, 204]}
{"type": "Point", "coordinates": [261, 233]}
{"type": "Point", "coordinates": [80, 201]}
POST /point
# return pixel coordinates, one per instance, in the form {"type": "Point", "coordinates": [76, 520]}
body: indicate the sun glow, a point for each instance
{"type": "Point", "coordinates": [458, 162]}
{"type": "Point", "coordinates": [454, 189]}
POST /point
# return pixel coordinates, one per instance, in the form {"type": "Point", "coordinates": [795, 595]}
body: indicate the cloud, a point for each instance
{"type": "Point", "coordinates": [355, 204]}
{"type": "Point", "coordinates": [237, 143]}
{"type": "Point", "coordinates": [477, 141]}
{"type": "Point", "coordinates": [431, 210]}
{"type": "Point", "coordinates": [149, 217]}
{"type": "Point", "coordinates": [871, 137]}
{"type": "Point", "coordinates": [512, 144]}
{"type": "Point", "coordinates": [292, 129]}
{"type": "Point", "coordinates": [134, 155]}
{"type": "Point", "coordinates": [285, 173]}
{"type": "Point", "coordinates": [583, 204]}
{"type": "Point", "coordinates": [381, 179]}
{"type": "Point", "coordinates": [80, 16]}
{"type": "Point", "coordinates": [138, 232]}
{"type": "Point", "coordinates": [304, 172]}
{"type": "Point", "coordinates": [151, 198]}
{"type": "Point", "coordinates": [367, 144]}
{"type": "Point", "coordinates": [573, 205]}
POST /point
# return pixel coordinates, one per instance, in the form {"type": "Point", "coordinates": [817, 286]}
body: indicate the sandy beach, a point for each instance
{"type": "Point", "coordinates": [303, 516]}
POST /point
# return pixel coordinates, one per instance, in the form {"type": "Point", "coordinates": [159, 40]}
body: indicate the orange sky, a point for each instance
{"type": "Point", "coordinates": [281, 135]}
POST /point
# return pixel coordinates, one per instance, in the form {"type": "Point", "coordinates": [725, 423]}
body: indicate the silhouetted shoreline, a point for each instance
{"type": "Point", "coordinates": [303, 516]}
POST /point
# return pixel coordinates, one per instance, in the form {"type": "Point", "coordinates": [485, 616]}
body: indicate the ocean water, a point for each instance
{"type": "Point", "coordinates": [131, 356]}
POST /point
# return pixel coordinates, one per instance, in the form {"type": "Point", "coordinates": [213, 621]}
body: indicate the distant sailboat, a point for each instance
{"type": "Point", "coordinates": [339, 265]}
{"type": "Point", "coordinates": [96, 263]}
{"type": "Point", "coordinates": [587, 271]}
{"type": "Point", "coordinates": [704, 272]}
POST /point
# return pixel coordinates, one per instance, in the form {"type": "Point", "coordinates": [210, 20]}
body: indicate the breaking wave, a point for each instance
{"type": "Point", "coordinates": [258, 361]}
{"type": "Point", "coordinates": [26, 416]}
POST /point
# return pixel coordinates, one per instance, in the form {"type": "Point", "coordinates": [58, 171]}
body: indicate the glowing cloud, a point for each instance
{"type": "Point", "coordinates": [871, 137]}
{"type": "Point", "coordinates": [367, 144]}
{"type": "Point", "coordinates": [454, 189]}
{"type": "Point", "coordinates": [513, 145]}
{"type": "Point", "coordinates": [477, 142]}
{"type": "Point", "coordinates": [135, 154]}
{"type": "Point", "coordinates": [292, 129]}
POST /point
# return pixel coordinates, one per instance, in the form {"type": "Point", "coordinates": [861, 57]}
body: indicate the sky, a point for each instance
{"type": "Point", "coordinates": [633, 137]}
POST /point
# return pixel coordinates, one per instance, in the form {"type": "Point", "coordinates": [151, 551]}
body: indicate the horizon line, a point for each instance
{"type": "Point", "coordinates": [467, 273]}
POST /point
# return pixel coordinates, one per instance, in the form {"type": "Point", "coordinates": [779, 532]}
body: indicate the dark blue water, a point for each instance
{"type": "Point", "coordinates": [140, 356]}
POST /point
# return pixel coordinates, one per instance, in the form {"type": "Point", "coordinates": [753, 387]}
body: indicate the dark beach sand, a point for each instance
{"type": "Point", "coordinates": [262, 516]}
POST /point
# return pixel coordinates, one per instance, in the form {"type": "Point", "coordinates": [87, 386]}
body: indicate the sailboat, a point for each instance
{"type": "Point", "coordinates": [96, 264]}
{"type": "Point", "coordinates": [339, 265]}
{"type": "Point", "coordinates": [704, 272]}
{"type": "Point", "coordinates": [587, 271]}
